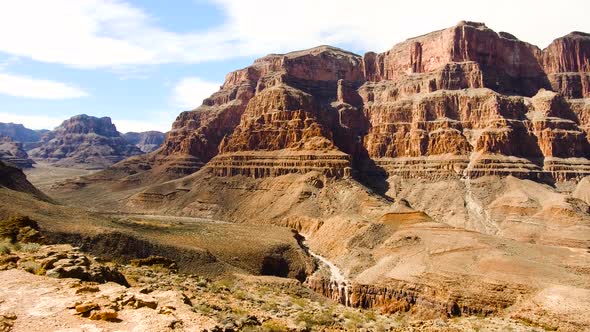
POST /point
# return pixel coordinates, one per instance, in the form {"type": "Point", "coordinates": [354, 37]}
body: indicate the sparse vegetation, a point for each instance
{"type": "Point", "coordinates": [322, 318]}
{"type": "Point", "coordinates": [300, 302]}
{"type": "Point", "coordinates": [20, 229]}
{"type": "Point", "coordinates": [32, 267]}
{"type": "Point", "coordinates": [222, 285]}
{"type": "Point", "coordinates": [274, 326]}
{"type": "Point", "coordinates": [153, 261]}
{"type": "Point", "coordinates": [6, 247]}
{"type": "Point", "coordinates": [30, 247]}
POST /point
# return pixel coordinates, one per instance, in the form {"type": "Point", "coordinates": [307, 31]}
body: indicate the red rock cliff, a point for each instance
{"type": "Point", "coordinates": [463, 101]}
{"type": "Point", "coordinates": [567, 63]}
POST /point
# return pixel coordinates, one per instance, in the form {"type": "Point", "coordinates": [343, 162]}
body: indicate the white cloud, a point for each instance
{"type": "Point", "coordinates": [32, 121]}
{"type": "Point", "coordinates": [190, 92]}
{"type": "Point", "coordinates": [160, 121]}
{"type": "Point", "coordinates": [125, 126]}
{"type": "Point", "coordinates": [111, 33]}
{"type": "Point", "coordinates": [24, 86]}
{"type": "Point", "coordinates": [99, 33]}
{"type": "Point", "coordinates": [378, 24]}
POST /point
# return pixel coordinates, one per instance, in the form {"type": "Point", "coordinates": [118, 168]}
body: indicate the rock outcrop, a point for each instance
{"type": "Point", "coordinates": [13, 153]}
{"type": "Point", "coordinates": [147, 141]}
{"type": "Point", "coordinates": [567, 64]}
{"type": "Point", "coordinates": [84, 141]}
{"type": "Point", "coordinates": [468, 54]}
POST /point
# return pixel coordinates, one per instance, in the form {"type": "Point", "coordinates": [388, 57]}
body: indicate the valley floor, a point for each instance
{"type": "Point", "coordinates": [43, 175]}
{"type": "Point", "coordinates": [235, 260]}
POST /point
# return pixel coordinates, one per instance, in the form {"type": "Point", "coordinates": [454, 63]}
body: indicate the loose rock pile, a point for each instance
{"type": "Point", "coordinates": [62, 261]}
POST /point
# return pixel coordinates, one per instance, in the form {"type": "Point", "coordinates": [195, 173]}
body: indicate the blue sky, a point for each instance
{"type": "Point", "coordinates": [143, 62]}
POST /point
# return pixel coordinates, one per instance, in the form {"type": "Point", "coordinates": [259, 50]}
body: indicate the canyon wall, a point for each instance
{"type": "Point", "coordinates": [460, 102]}
{"type": "Point", "coordinates": [567, 64]}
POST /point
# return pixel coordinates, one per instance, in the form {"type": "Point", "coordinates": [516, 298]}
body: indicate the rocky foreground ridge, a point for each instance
{"type": "Point", "coordinates": [84, 140]}
{"type": "Point", "coordinates": [460, 102]}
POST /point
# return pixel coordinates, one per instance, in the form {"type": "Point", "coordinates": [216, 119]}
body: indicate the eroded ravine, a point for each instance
{"type": "Point", "coordinates": [335, 286]}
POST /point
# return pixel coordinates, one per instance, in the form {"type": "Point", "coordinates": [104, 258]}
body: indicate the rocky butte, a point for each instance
{"type": "Point", "coordinates": [84, 141]}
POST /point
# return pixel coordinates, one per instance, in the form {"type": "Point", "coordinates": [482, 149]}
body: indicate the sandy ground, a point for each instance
{"type": "Point", "coordinates": [44, 175]}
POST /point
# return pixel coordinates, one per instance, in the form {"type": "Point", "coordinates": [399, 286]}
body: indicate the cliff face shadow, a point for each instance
{"type": "Point", "coordinates": [369, 174]}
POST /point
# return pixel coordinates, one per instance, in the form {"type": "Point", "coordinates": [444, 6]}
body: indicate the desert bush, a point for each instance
{"type": "Point", "coordinates": [221, 285]}
{"type": "Point", "coordinates": [270, 305]}
{"type": "Point", "coordinates": [300, 302]}
{"type": "Point", "coordinates": [30, 247]}
{"type": "Point", "coordinates": [152, 261]}
{"type": "Point", "coordinates": [32, 267]}
{"type": "Point", "coordinates": [240, 295]}
{"type": "Point", "coordinates": [203, 308]}
{"type": "Point", "coordinates": [20, 229]}
{"type": "Point", "coordinates": [274, 326]}
{"type": "Point", "coordinates": [5, 247]}
{"type": "Point", "coordinates": [310, 320]}
{"type": "Point", "coordinates": [370, 315]}
{"type": "Point", "coordinates": [353, 316]}
{"type": "Point", "coordinates": [202, 282]}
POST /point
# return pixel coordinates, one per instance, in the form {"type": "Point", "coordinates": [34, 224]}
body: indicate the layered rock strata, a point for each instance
{"type": "Point", "coordinates": [147, 141]}
{"type": "Point", "coordinates": [20, 133]}
{"type": "Point", "coordinates": [84, 141]}
{"type": "Point", "coordinates": [567, 64]}
{"type": "Point", "coordinates": [13, 153]}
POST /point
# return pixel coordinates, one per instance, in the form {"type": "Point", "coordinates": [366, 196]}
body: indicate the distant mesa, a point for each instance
{"type": "Point", "coordinates": [84, 141]}
{"type": "Point", "coordinates": [12, 153]}
{"type": "Point", "coordinates": [20, 133]}
{"type": "Point", "coordinates": [146, 141]}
